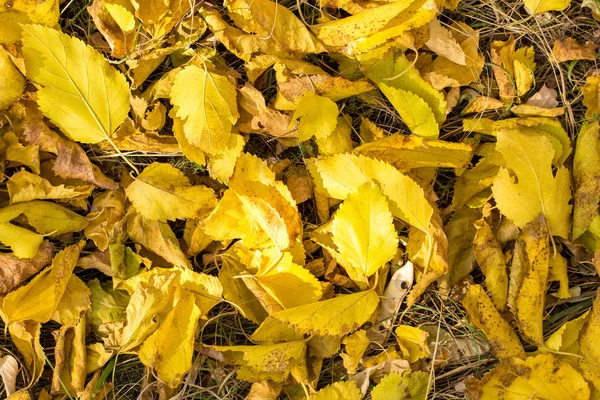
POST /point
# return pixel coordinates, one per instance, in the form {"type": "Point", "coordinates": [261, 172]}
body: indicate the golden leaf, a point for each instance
{"type": "Point", "coordinates": [490, 258]}
{"type": "Point", "coordinates": [345, 390]}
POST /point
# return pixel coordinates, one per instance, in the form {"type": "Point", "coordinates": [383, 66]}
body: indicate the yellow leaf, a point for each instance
{"type": "Point", "coordinates": [541, 6]}
{"type": "Point", "coordinates": [588, 348]}
{"type": "Point", "coordinates": [340, 140]}
{"type": "Point", "coordinates": [408, 152]}
{"type": "Point", "coordinates": [355, 345]}
{"type": "Point", "coordinates": [290, 92]}
{"type": "Point", "coordinates": [25, 186]}
{"type": "Point", "coordinates": [558, 272]}
{"type": "Point", "coordinates": [147, 308]}
{"type": "Point", "coordinates": [87, 109]}
{"type": "Point", "coordinates": [206, 102]}
{"type": "Point", "coordinates": [363, 229]}
{"type": "Point", "coordinates": [162, 192]}
{"type": "Point", "coordinates": [482, 313]}
{"type": "Point", "coordinates": [157, 237]}
{"type": "Point", "coordinates": [290, 284]}
{"type": "Point", "coordinates": [14, 14]}
{"type": "Point", "coordinates": [170, 358]}
{"type": "Point", "coordinates": [278, 29]}
{"type": "Point", "coordinates": [74, 302]}
{"type": "Point", "coordinates": [489, 255]}
{"type": "Point", "coordinates": [538, 190]}
{"type": "Point", "coordinates": [591, 96]}
{"type": "Point", "coordinates": [274, 331]}
{"type": "Point", "coordinates": [334, 317]}
{"type": "Point", "coordinates": [566, 338]}
{"type": "Point", "coordinates": [523, 77]}
{"type": "Point", "coordinates": [408, 385]}
{"type": "Point", "coordinates": [70, 357]}
{"type": "Point", "coordinates": [586, 176]}
{"type": "Point", "coordinates": [444, 44]}
{"type": "Point", "coordinates": [26, 337]}
{"type": "Point", "coordinates": [460, 231]}
{"type": "Point", "coordinates": [374, 26]}
{"type": "Point", "coordinates": [12, 83]}
{"type": "Point", "coordinates": [107, 305]}
{"type": "Point", "coordinates": [541, 377]}
{"type": "Point", "coordinates": [528, 276]}
{"type": "Point", "coordinates": [121, 15]}
{"type": "Point", "coordinates": [568, 49]}
{"type": "Point", "coordinates": [345, 390]}
{"type": "Point", "coordinates": [22, 394]}
{"type": "Point", "coordinates": [343, 174]}
{"type": "Point", "coordinates": [549, 127]}
{"type": "Point", "coordinates": [527, 110]}
{"type": "Point", "coordinates": [241, 44]}
{"type": "Point", "coordinates": [398, 72]}
{"type": "Point", "coordinates": [106, 219]}
{"type": "Point", "coordinates": [482, 103]}
{"type": "Point", "coordinates": [39, 299]}
{"type": "Point", "coordinates": [317, 115]}
{"type": "Point", "coordinates": [236, 291]}
{"type": "Point", "coordinates": [266, 361]}
{"type": "Point", "coordinates": [220, 166]}
{"type": "Point", "coordinates": [413, 342]}
{"type": "Point", "coordinates": [413, 110]}
{"type": "Point", "coordinates": [45, 217]}
{"type": "Point", "coordinates": [22, 242]}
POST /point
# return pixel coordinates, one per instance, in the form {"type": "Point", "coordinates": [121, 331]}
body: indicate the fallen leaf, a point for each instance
{"type": "Point", "coordinates": [538, 189]}
{"type": "Point", "coordinates": [317, 115]}
{"type": "Point", "coordinates": [363, 230]}
{"type": "Point", "coordinates": [49, 56]}
{"type": "Point", "coordinates": [12, 83]}
{"type": "Point", "coordinates": [588, 365]}
{"type": "Point", "coordinates": [586, 176]}
{"type": "Point", "coordinates": [527, 280]}
{"type": "Point", "coordinates": [490, 258]}
{"type": "Point", "coordinates": [9, 368]}
{"type": "Point", "coordinates": [413, 342]}
{"type": "Point", "coordinates": [568, 49]}
{"type": "Point", "coordinates": [345, 390]}
{"type": "Point", "coordinates": [206, 101]}
{"type": "Point", "coordinates": [338, 316]}
{"type": "Point", "coordinates": [411, 385]}
{"type": "Point", "coordinates": [543, 376]}
{"type": "Point", "coordinates": [541, 6]}
{"type": "Point", "coordinates": [409, 152]}
{"type": "Point", "coordinates": [162, 192]}
{"type": "Point", "coordinates": [171, 359]}
{"type": "Point", "coordinates": [14, 270]}
{"type": "Point", "coordinates": [355, 346]}
{"type": "Point", "coordinates": [484, 315]}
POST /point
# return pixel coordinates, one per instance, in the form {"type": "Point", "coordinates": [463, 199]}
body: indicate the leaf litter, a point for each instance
{"type": "Point", "coordinates": [331, 200]}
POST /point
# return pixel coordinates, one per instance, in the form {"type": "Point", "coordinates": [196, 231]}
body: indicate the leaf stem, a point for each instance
{"type": "Point", "coordinates": [137, 172]}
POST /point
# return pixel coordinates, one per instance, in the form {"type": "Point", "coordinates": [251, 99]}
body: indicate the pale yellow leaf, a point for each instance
{"type": "Point", "coordinates": [363, 229]}
{"type": "Point", "coordinates": [317, 115]}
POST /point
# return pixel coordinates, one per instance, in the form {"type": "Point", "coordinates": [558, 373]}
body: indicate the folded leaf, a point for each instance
{"type": "Point", "coordinates": [490, 258]}
{"type": "Point", "coordinates": [409, 152]}
{"type": "Point", "coordinates": [172, 359]}
{"type": "Point", "coordinates": [586, 176]}
{"type": "Point", "coordinates": [413, 110]}
{"type": "Point", "coordinates": [162, 192]}
{"type": "Point", "coordinates": [589, 364]}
